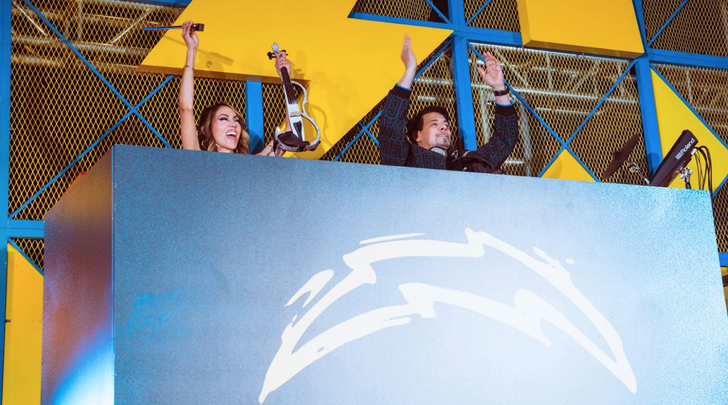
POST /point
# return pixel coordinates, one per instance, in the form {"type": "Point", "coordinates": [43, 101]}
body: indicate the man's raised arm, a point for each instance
{"type": "Point", "coordinates": [505, 129]}
{"type": "Point", "coordinates": [393, 145]}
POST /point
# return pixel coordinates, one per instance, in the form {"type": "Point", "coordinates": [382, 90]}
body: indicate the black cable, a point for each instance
{"type": "Point", "coordinates": [710, 171]}
{"type": "Point", "coordinates": [699, 166]}
{"type": "Point", "coordinates": [705, 152]}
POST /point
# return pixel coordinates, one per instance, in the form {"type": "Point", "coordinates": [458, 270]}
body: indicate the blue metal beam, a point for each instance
{"type": "Point", "coordinates": [464, 93]}
{"type": "Point", "coordinates": [461, 78]}
{"type": "Point", "coordinates": [687, 59]}
{"type": "Point", "coordinates": [489, 36]}
{"type": "Point", "coordinates": [254, 115]}
{"type": "Point", "coordinates": [648, 110]}
{"type": "Point", "coordinates": [723, 257]}
{"type": "Point", "coordinates": [5, 49]}
{"type": "Point", "coordinates": [25, 229]}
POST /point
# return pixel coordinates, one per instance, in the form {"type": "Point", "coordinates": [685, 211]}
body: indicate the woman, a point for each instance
{"type": "Point", "coordinates": [221, 127]}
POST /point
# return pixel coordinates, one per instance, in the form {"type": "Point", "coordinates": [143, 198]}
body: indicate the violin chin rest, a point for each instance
{"type": "Point", "coordinates": [290, 142]}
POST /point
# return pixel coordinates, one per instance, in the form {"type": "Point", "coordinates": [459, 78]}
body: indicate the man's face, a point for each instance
{"type": "Point", "coordinates": [435, 132]}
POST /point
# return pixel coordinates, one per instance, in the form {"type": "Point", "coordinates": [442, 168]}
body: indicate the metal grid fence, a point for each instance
{"type": "Point", "coordinates": [694, 26]}
{"type": "Point", "coordinates": [493, 14]}
{"type": "Point", "coordinates": [33, 248]}
{"type": "Point", "coordinates": [409, 9]}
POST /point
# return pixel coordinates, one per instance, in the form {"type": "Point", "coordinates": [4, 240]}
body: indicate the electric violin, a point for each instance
{"type": "Point", "coordinates": [293, 139]}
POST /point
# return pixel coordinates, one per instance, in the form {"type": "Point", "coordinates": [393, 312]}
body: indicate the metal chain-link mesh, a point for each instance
{"type": "Point", "coordinates": [536, 145]}
{"type": "Point", "coordinates": [720, 215]}
{"type": "Point", "coordinates": [705, 90]}
{"type": "Point", "coordinates": [497, 15]}
{"type": "Point", "coordinates": [609, 129]}
{"type": "Point", "coordinates": [563, 89]}
{"type": "Point", "coordinates": [701, 26]}
{"type": "Point", "coordinates": [59, 107]}
{"type": "Point", "coordinates": [360, 153]}
{"type": "Point", "coordinates": [656, 13]}
{"type": "Point", "coordinates": [410, 9]}
{"type": "Point", "coordinates": [33, 248]}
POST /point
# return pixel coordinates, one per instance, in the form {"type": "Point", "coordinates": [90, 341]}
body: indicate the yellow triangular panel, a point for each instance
{"type": "Point", "coordinates": [601, 27]}
{"type": "Point", "coordinates": [566, 167]}
{"type": "Point", "coordinates": [673, 116]}
{"type": "Point", "coordinates": [24, 332]}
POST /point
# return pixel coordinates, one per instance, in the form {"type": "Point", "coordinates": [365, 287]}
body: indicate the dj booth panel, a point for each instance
{"type": "Point", "coordinates": [178, 277]}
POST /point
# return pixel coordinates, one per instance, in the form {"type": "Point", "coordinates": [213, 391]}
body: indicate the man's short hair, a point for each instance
{"type": "Point", "coordinates": [415, 123]}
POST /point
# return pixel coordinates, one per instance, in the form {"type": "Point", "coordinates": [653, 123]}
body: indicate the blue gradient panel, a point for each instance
{"type": "Point", "coordinates": [322, 283]}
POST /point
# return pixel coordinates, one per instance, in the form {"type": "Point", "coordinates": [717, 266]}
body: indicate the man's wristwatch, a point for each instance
{"type": "Point", "coordinates": [501, 92]}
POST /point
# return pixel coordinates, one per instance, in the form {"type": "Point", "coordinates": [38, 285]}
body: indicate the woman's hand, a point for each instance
{"type": "Point", "coordinates": [283, 62]}
{"type": "Point", "coordinates": [189, 35]}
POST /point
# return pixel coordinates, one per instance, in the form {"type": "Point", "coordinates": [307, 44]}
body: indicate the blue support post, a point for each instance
{"type": "Point", "coordinates": [648, 110]}
{"type": "Point", "coordinates": [25, 229]}
{"type": "Point", "coordinates": [5, 12]}
{"type": "Point", "coordinates": [461, 77]}
{"type": "Point", "coordinates": [254, 115]}
{"type": "Point", "coordinates": [463, 92]}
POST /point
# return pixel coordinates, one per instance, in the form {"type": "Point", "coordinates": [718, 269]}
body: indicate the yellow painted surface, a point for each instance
{"type": "Point", "coordinates": [599, 27]}
{"type": "Point", "coordinates": [24, 333]}
{"type": "Point", "coordinates": [673, 116]}
{"type": "Point", "coordinates": [349, 64]}
{"type": "Point", "coordinates": [566, 167]}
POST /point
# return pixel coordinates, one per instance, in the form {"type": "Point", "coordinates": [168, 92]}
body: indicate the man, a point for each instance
{"type": "Point", "coordinates": [429, 130]}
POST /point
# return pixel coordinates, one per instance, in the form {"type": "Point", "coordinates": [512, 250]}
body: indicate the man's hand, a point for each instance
{"type": "Point", "coordinates": [408, 57]}
{"type": "Point", "coordinates": [493, 75]}
{"type": "Point", "coordinates": [282, 62]}
{"type": "Point", "coordinates": [189, 35]}
{"type": "Point", "coordinates": [410, 64]}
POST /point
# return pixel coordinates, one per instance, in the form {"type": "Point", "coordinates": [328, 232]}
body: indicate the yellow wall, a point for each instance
{"type": "Point", "coordinates": [23, 334]}
{"type": "Point", "coordinates": [600, 27]}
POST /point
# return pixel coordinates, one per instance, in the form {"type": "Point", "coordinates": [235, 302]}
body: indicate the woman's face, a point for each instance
{"type": "Point", "coordinates": [226, 129]}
